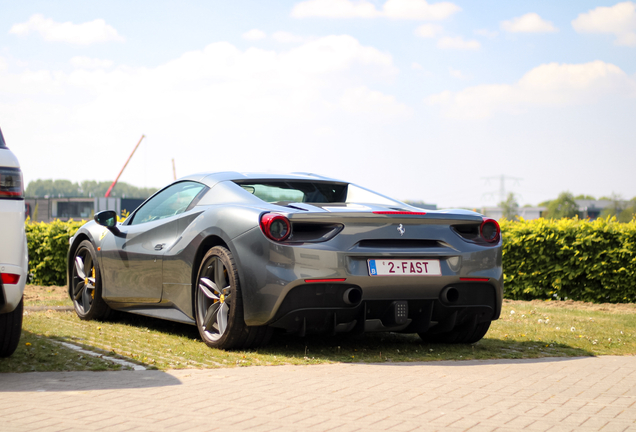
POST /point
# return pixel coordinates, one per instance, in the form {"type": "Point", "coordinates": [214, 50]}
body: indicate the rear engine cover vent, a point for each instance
{"type": "Point", "coordinates": [398, 244]}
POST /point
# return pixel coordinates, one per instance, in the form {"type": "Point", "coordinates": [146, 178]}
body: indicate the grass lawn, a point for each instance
{"type": "Point", "coordinates": [525, 330]}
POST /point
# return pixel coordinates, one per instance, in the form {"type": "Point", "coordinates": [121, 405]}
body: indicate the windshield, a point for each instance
{"type": "Point", "coordinates": [276, 191]}
{"type": "Point", "coordinates": [2, 143]}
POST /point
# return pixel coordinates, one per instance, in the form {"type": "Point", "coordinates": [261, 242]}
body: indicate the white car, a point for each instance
{"type": "Point", "coordinates": [14, 260]}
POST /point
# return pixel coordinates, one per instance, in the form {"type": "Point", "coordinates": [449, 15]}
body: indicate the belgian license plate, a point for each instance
{"type": "Point", "coordinates": [406, 267]}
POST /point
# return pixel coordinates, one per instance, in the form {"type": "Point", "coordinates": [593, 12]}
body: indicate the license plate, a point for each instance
{"type": "Point", "coordinates": [407, 267]}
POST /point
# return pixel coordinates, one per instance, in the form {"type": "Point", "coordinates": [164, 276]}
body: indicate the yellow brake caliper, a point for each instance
{"type": "Point", "coordinates": [93, 274]}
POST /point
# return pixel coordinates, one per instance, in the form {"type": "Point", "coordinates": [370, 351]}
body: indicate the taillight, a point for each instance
{"type": "Point", "coordinates": [11, 183]}
{"type": "Point", "coordinates": [275, 226]}
{"type": "Point", "coordinates": [490, 230]}
{"type": "Point", "coordinates": [10, 278]}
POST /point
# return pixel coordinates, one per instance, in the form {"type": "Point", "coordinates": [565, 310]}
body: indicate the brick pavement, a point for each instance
{"type": "Point", "coordinates": [582, 394]}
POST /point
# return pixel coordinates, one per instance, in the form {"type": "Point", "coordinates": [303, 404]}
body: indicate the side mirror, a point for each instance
{"type": "Point", "coordinates": [108, 219]}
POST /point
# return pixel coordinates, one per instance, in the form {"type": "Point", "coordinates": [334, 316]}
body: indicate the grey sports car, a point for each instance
{"type": "Point", "coordinates": [241, 255]}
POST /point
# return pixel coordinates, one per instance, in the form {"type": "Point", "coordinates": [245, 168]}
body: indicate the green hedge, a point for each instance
{"type": "Point", "coordinates": [570, 258]}
{"type": "Point", "coordinates": [48, 245]}
{"type": "Point", "coordinates": [542, 259]}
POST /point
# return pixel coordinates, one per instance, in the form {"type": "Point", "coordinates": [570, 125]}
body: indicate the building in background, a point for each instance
{"type": "Point", "coordinates": [591, 209]}
{"type": "Point", "coordinates": [588, 209]}
{"type": "Point", "coordinates": [527, 213]}
{"type": "Point", "coordinates": [49, 209]}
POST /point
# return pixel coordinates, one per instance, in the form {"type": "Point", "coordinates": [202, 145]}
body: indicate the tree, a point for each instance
{"type": "Point", "coordinates": [52, 188]}
{"type": "Point", "coordinates": [616, 207]}
{"type": "Point", "coordinates": [585, 197]}
{"type": "Point", "coordinates": [562, 207]}
{"type": "Point", "coordinates": [629, 212]}
{"type": "Point", "coordinates": [87, 188]}
{"type": "Point", "coordinates": [509, 207]}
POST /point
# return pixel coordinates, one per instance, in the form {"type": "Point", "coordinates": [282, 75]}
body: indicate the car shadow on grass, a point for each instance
{"type": "Point", "coordinates": [367, 348]}
{"type": "Point", "coordinates": [394, 347]}
{"type": "Point", "coordinates": [156, 324]}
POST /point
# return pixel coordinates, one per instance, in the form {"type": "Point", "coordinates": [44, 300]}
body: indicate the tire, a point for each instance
{"type": "Point", "coordinates": [86, 284]}
{"type": "Point", "coordinates": [10, 330]}
{"type": "Point", "coordinates": [468, 333]}
{"type": "Point", "coordinates": [218, 305]}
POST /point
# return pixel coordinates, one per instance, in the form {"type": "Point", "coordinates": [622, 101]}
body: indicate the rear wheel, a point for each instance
{"type": "Point", "coordinates": [218, 304]}
{"type": "Point", "coordinates": [10, 329]}
{"type": "Point", "coordinates": [86, 284]}
{"type": "Point", "coordinates": [468, 333]}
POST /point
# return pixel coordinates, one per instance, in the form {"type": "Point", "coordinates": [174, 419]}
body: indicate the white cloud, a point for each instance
{"type": "Point", "coordinates": [362, 100]}
{"type": "Point", "coordinates": [419, 10]}
{"type": "Point", "coordinates": [333, 53]}
{"type": "Point", "coordinates": [456, 73]}
{"type": "Point", "coordinates": [416, 66]}
{"type": "Point", "coordinates": [80, 34]}
{"type": "Point", "coordinates": [90, 63]}
{"type": "Point", "coordinates": [429, 30]}
{"type": "Point", "coordinates": [227, 108]}
{"type": "Point", "coordinates": [334, 9]}
{"type": "Point", "coordinates": [254, 34]}
{"type": "Point", "coordinates": [396, 9]}
{"type": "Point", "coordinates": [435, 31]}
{"type": "Point", "coordinates": [458, 43]}
{"type": "Point", "coordinates": [528, 23]}
{"type": "Point", "coordinates": [286, 37]}
{"type": "Point", "coordinates": [619, 20]}
{"type": "Point", "coordinates": [550, 84]}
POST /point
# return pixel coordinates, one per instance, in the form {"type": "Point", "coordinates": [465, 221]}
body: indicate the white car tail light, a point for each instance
{"type": "Point", "coordinates": [11, 183]}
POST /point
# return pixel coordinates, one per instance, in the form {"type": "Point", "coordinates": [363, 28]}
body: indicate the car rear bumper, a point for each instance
{"type": "Point", "coordinates": [326, 308]}
{"type": "Point", "coordinates": [277, 287]}
{"type": "Point", "coordinates": [13, 253]}
{"type": "Point", "coordinates": [11, 294]}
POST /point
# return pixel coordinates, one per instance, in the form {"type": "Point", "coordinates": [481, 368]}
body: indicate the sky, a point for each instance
{"type": "Point", "coordinates": [423, 101]}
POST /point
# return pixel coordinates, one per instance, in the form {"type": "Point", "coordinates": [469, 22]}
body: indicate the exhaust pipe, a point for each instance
{"type": "Point", "coordinates": [449, 295]}
{"type": "Point", "coordinates": [352, 296]}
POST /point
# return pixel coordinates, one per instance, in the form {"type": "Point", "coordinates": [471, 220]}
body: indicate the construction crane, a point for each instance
{"type": "Point", "coordinates": [122, 170]}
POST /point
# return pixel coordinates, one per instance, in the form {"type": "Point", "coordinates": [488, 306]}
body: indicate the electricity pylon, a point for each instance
{"type": "Point", "coordinates": [502, 185]}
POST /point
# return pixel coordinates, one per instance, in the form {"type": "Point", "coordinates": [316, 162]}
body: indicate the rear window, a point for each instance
{"type": "Point", "coordinates": [318, 192]}
{"type": "Point", "coordinates": [296, 191]}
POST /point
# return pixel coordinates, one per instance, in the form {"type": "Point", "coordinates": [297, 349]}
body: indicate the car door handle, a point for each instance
{"type": "Point", "coordinates": [159, 246]}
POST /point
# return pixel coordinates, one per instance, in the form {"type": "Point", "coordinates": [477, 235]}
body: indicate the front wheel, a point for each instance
{"type": "Point", "coordinates": [86, 284]}
{"type": "Point", "coordinates": [218, 304]}
{"type": "Point", "coordinates": [10, 330]}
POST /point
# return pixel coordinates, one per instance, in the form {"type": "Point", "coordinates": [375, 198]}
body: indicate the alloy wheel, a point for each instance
{"type": "Point", "coordinates": [84, 280]}
{"type": "Point", "coordinates": [214, 298]}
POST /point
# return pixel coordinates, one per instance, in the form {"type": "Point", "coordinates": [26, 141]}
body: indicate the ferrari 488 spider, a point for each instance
{"type": "Point", "coordinates": [241, 255]}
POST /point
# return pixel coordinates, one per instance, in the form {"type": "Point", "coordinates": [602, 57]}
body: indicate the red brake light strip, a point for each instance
{"type": "Point", "coordinates": [398, 213]}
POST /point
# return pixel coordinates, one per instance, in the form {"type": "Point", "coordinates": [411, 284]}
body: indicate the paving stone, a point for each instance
{"type": "Point", "coordinates": [583, 394]}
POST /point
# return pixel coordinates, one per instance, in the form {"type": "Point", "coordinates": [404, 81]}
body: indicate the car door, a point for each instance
{"type": "Point", "coordinates": [132, 259]}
